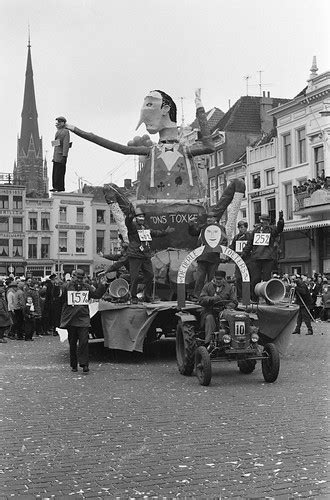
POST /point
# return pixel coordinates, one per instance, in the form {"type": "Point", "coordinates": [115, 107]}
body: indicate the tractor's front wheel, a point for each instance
{"type": "Point", "coordinates": [185, 347]}
{"type": "Point", "coordinates": [203, 366]}
{"type": "Point", "coordinates": [270, 364]}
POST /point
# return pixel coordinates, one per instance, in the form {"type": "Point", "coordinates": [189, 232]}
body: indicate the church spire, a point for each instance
{"type": "Point", "coordinates": [29, 170]}
{"type": "Point", "coordinates": [29, 127]}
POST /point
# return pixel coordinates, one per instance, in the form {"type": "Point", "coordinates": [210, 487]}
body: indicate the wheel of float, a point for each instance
{"type": "Point", "coordinates": [185, 347]}
{"type": "Point", "coordinates": [246, 366]}
{"type": "Point", "coordinates": [203, 366]}
{"type": "Point", "coordinates": [270, 364]}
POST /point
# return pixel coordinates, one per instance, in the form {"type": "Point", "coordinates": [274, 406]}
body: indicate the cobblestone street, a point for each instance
{"type": "Point", "coordinates": [134, 427]}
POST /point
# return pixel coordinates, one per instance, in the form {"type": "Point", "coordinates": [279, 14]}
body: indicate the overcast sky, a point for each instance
{"type": "Point", "coordinates": [94, 61]}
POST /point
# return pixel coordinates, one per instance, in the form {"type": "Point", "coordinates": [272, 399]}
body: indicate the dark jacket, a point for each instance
{"type": "Point", "coordinates": [63, 136]}
{"type": "Point", "coordinates": [243, 238]}
{"type": "Point", "coordinates": [195, 229]}
{"type": "Point", "coordinates": [5, 318]}
{"type": "Point", "coordinates": [28, 314]}
{"type": "Point", "coordinates": [267, 251]}
{"type": "Point", "coordinates": [76, 315]}
{"type": "Point", "coordinates": [302, 293]}
{"type": "Point", "coordinates": [221, 297]}
{"type": "Point", "coordinates": [137, 248]}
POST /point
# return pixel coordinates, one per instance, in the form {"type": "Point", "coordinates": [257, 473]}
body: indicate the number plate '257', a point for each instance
{"type": "Point", "coordinates": [239, 328]}
{"type": "Point", "coordinates": [78, 298]}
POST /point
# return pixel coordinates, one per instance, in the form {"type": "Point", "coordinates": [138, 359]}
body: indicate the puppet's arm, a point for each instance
{"type": "Point", "coordinates": [105, 143]}
{"type": "Point", "coordinates": [208, 145]}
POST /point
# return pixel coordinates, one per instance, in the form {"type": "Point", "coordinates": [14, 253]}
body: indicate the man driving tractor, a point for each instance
{"type": "Point", "coordinates": [216, 296]}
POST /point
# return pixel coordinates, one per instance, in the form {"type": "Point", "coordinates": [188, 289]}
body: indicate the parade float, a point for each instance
{"type": "Point", "coordinates": [171, 193]}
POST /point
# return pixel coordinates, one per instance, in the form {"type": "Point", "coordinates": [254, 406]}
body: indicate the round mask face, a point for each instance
{"type": "Point", "coordinates": [152, 113]}
{"type": "Point", "coordinates": [212, 235]}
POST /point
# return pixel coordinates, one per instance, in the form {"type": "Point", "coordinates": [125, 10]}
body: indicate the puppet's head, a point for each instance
{"type": "Point", "coordinates": [158, 112]}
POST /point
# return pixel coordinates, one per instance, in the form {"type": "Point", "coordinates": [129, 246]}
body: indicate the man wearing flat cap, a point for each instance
{"type": "Point", "coordinates": [76, 319]}
{"type": "Point", "coordinates": [261, 250]}
{"type": "Point", "coordinates": [215, 297]}
{"type": "Point", "coordinates": [61, 150]}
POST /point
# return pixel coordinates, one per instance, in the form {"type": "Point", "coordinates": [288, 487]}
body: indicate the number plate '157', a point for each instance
{"type": "Point", "coordinates": [239, 328]}
{"type": "Point", "coordinates": [78, 298]}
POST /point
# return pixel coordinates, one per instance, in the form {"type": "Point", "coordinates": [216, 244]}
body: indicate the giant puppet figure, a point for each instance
{"type": "Point", "coordinates": [170, 189]}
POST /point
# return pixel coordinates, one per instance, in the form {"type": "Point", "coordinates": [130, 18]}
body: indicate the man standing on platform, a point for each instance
{"type": "Point", "coordinates": [261, 249]}
{"type": "Point", "coordinates": [238, 245]}
{"type": "Point", "coordinates": [61, 150]}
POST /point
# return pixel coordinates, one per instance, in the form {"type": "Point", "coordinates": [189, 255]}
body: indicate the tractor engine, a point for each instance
{"type": "Point", "coordinates": [235, 330]}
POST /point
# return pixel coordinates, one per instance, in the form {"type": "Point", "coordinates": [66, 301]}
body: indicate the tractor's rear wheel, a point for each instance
{"type": "Point", "coordinates": [185, 347]}
{"type": "Point", "coordinates": [203, 366]}
{"type": "Point", "coordinates": [270, 364]}
{"type": "Point", "coordinates": [246, 366]}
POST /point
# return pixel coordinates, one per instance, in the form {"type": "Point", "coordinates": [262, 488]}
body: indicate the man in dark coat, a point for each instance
{"type": "Point", "coordinates": [207, 263]}
{"type": "Point", "coordinates": [216, 296]}
{"type": "Point", "coordinates": [261, 249]}
{"type": "Point", "coordinates": [139, 252]}
{"type": "Point", "coordinates": [75, 317]}
{"type": "Point", "coordinates": [61, 150]}
{"type": "Point", "coordinates": [5, 318]}
{"type": "Point", "coordinates": [304, 301]}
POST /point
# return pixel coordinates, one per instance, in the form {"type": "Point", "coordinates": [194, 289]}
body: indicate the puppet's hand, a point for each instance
{"type": "Point", "coordinates": [70, 127]}
{"type": "Point", "coordinates": [198, 99]}
{"type": "Point", "coordinates": [141, 141]}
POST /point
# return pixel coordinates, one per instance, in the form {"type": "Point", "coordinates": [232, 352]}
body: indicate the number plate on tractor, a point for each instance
{"type": "Point", "coordinates": [239, 328]}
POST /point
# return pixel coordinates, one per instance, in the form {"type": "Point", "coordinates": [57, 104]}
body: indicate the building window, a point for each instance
{"type": "Point", "coordinates": [219, 157]}
{"type": "Point", "coordinates": [319, 161]}
{"type": "Point", "coordinates": [17, 202]}
{"type": "Point", "coordinates": [287, 150]}
{"type": "Point", "coordinates": [213, 190]}
{"type": "Point", "coordinates": [4, 202]}
{"type": "Point", "coordinates": [270, 177]}
{"type": "Point", "coordinates": [17, 225]}
{"type": "Point", "coordinates": [112, 219]}
{"type": "Point", "coordinates": [99, 241]}
{"type": "Point", "coordinates": [45, 217]}
{"type": "Point", "coordinates": [301, 139]}
{"type": "Point", "coordinates": [4, 224]}
{"type": "Point", "coordinates": [288, 200]}
{"type": "Point", "coordinates": [100, 216]}
{"type": "Point", "coordinates": [33, 221]}
{"type": "Point", "coordinates": [256, 181]}
{"type": "Point", "coordinates": [271, 205]}
{"type": "Point", "coordinates": [32, 248]}
{"type": "Point", "coordinates": [80, 214]}
{"type": "Point", "coordinates": [62, 241]}
{"type": "Point", "coordinates": [256, 211]}
{"type": "Point", "coordinates": [62, 214]}
{"type": "Point", "coordinates": [212, 161]}
{"type": "Point", "coordinates": [4, 248]}
{"type": "Point", "coordinates": [243, 212]}
{"type": "Point", "coordinates": [45, 245]}
{"type": "Point", "coordinates": [221, 185]}
{"type": "Point", "coordinates": [80, 242]}
{"type": "Point", "coordinates": [17, 248]}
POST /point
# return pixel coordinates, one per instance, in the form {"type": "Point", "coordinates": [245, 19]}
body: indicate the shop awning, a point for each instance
{"type": "Point", "coordinates": [307, 225]}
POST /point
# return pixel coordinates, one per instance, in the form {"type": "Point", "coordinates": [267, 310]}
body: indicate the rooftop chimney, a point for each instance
{"type": "Point", "coordinates": [266, 104]}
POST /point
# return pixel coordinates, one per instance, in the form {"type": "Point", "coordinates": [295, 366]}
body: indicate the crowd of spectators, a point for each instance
{"type": "Point", "coordinates": [31, 308]}
{"type": "Point", "coordinates": [312, 185]}
{"type": "Point", "coordinates": [319, 289]}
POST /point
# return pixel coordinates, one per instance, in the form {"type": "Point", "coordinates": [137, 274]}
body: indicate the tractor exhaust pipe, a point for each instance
{"type": "Point", "coordinates": [272, 291]}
